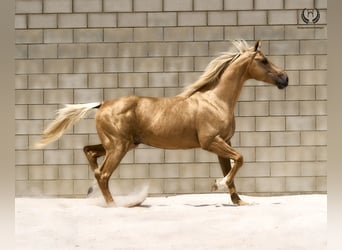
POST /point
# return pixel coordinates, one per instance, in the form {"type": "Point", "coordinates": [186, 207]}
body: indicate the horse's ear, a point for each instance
{"type": "Point", "coordinates": [257, 45]}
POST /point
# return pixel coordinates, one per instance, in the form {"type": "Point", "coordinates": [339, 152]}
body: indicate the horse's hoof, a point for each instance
{"type": "Point", "coordinates": [90, 190]}
{"type": "Point", "coordinates": [214, 187]}
{"type": "Point", "coordinates": [241, 203]}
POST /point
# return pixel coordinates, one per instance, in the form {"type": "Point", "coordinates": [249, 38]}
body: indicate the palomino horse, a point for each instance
{"type": "Point", "coordinates": [201, 116]}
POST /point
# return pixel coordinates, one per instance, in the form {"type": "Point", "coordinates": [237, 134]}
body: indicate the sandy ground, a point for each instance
{"type": "Point", "coordinates": [205, 221]}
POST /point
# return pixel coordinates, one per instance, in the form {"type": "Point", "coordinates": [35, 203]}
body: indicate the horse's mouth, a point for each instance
{"type": "Point", "coordinates": [282, 82]}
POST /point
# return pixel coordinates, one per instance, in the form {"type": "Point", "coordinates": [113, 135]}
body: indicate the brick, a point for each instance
{"type": "Point", "coordinates": [20, 81]}
{"type": "Point", "coordinates": [178, 34]}
{"type": "Point", "coordinates": [162, 19]}
{"type": "Point", "coordinates": [253, 108]}
{"type": "Point", "coordinates": [321, 153]}
{"type": "Point", "coordinates": [239, 32]}
{"type": "Point", "coordinates": [28, 36]}
{"type": "Point", "coordinates": [28, 66]}
{"type": "Point", "coordinates": [72, 20]}
{"type": "Point", "coordinates": [282, 17]}
{"type": "Point", "coordinates": [313, 47]}
{"type": "Point", "coordinates": [270, 154]}
{"type": "Point", "coordinates": [251, 139]}
{"type": "Point", "coordinates": [88, 65]}
{"type": "Point", "coordinates": [321, 62]}
{"type": "Point", "coordinates": [73, 141]}
{"type": "Point", "coordinates": [149, 156]}
{"type": "Point", "coordinates": [58, 66]}
{"type": "Point", "coordinates": [134, 171]}
{"type": "Point", "coordinates": [43, 81]}
{"type": "Point", "coordinates": [42, 51]}
{"type": "Point", "coordinates": [88, 35]}
{"type": "Point", "coordinates": [268, 93]}
{"type": "Point", "coordinates": [42, 21]}
{"type": "Point", "coordinates": [238, 4]}
{"type": "Point", "coordinates": [43, 172]}
{"type": "Point", "coordinates": [133, 80]}
{"type": "Point", "coordinates": [177, 5]}
{"type": "Point", "coordinates": [58, 36]}
{"type": "Point", "coordinates": [247, 94]}
{"type": "Point", "coordinates": [87, 6]}
{"type": "Point", "coordinates": [268, 5]}
{"type": "Point", "coordinates": [245, 184]}
{"type": "Point", "coordinates": [193, 170]}
{"type": "Point", "coordinates": [102, 50]}
{"type": "Point", "coordinates": [298, 123]}
{"type": "Point", "coordinates": [28, 157]}
{"type": "Point", "coordinates": [313, 108]}
{"type": "Point", "coordinates": [20, 22]}
{"type": "Point", "coordinates": [29, 96]}
{"type": "Point", "coordinates": [201, 63]}
{"type": "Point", "coordinates": [321, 92]}
{"type": "Point", "coordinates": [321, 123]}
{"type": "Point", "coordinates": [118, 35]}
{"type": "Point", "coordinates": [58, 96]}
{"type": "Point", "coordinates": [285, 169]}
{"type": "Point", "coordinates": [21, 173]}
{"type": "Point", "coordinates": [173, 156]}
{"type": "Point", "coordinates": [102, 81]}
{"type": "Point", "coordinates": [133, 50]}
{"type": "Point", "coordinates": [62, 6]}
{"type": "Point", "coordinates": [28, 127]}
{"type": "Point", "coordinates": [192, 18]}
{"type": "Point", "coordinates": [208, 33]}
{"type": "Point", "coordinates": [163, 49]}
{"type": "Point", "coordinates": [222, 18]}
{"type": "Point", "coordinates": [188, 78]}
{"type": "Point", "coordinates": [269, 32]}
{"type": "Point", "coordinates": [321, 184]}
{"type": "Point", "coordinates": [203, 185]}
{"type": "Point", "coordinates": [254, 170]}
{"type": "Point", "coordinates": [115, 93]}
{"type": "Point", "coordinates": [245, 123]}
{"type": "Point", "coordinates": [117, 6]}
{"type": "Point", "coordinates": [273, 185]}
{"type": "Point", "coordinates": [148, 34]}
{"type": "Point", "coordinates": [24, 6]}
{"type": "Point", "coordinates": [42, 111]}
{"type": "Point", "coordinates": [293, 4]}
{"type": "Point", "coordinates": [301, 153]}
{"type": "Point", "coordinates": [163, 80]}
{"type": "Point", "coordinates": [85, 126]}
{"type": "Point", "coordinates": [193, 49]}
{"type": "Point", "coordinates": [72, 80]}
{"type": "Point", "coordinates": [313, 168]}
{"type": "Point", "coordinates": [148, 5]}
{"type": "Point", "coordinates": [205, 156]}
{"type": "Point", "coordinates": [300, 184]}
{"type": "Point", "coordinates": [76, 172]}
{"type": "Point", "coordinates": [256, 17]}
{"type": "Point", "coordinates": [132, 19]}
{"type": "Point", "coordinates": [21, 112]}
{"type": "Point", "coordinates": [58, 187]}
{"type": "Point", "coordinates": [118, 65]}
{"type": "Point", "coordinates": [270, 123]}
{"type": "Point", "coordinates": [300, 93]}
{"type": "Point", "coordinates": [154, 64]}
{"type": "Point", "coordinates": [294, 33]}
{"type": "Point", "coordinates": [98, 20]}
{"type": "Point", "coordinates": [309, 138]}
{"type": "Point", "coordinates": [313, 77]}
{"type": "Point", "coordinates": [208, 5]}
{"type": "Point", "coordinates": [72, 50]}
{"type": "Point", "coordinates": [285, 139]}
{"type": "Point", "coordinates": [284, 47]}
{"type": "Point", "coordinates": [178, 64]}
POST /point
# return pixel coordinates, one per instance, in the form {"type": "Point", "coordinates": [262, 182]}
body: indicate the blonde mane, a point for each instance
{"type": "Point", "coordinates": [215, 68]}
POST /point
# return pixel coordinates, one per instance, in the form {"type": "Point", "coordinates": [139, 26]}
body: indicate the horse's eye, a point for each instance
{"type": "Point", "coordinates": [264, 61]}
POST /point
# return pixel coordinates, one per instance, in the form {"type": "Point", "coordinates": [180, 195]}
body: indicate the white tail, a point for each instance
{"type": "Point", "coordinates": [66, 117]}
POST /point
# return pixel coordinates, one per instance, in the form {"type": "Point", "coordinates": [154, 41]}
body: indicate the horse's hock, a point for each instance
{"type": "Point", "coordinates": [80, 53]}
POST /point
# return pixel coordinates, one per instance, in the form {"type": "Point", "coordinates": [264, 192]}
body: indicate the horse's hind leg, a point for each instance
{"type": "Point", "coordinates": [93, 152]}
{"type": "Point", "coordinates": [110, 163]}
{"type": "Point", "coordinates": [226, 167]}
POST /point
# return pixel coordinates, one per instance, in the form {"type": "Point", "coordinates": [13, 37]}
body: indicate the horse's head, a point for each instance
{"type": "Point", "coordinates": [262, 69]}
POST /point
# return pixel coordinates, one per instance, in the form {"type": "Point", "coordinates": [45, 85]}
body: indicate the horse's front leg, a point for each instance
{"type": "Point", "coordinates": [225, 164]}
{"type": "Point", "coordinates": [225, 153]}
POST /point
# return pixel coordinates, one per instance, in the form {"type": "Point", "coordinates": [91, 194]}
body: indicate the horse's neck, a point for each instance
{"type": "Point", "coordinates": [229, 87]}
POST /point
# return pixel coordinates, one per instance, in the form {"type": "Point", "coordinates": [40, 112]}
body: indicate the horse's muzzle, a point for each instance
{"type": "Point", "coordinates": [282, 81]}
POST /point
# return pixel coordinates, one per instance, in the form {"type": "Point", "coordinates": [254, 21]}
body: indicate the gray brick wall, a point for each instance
{"type": "Point", "coordinates": [75, 51]}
